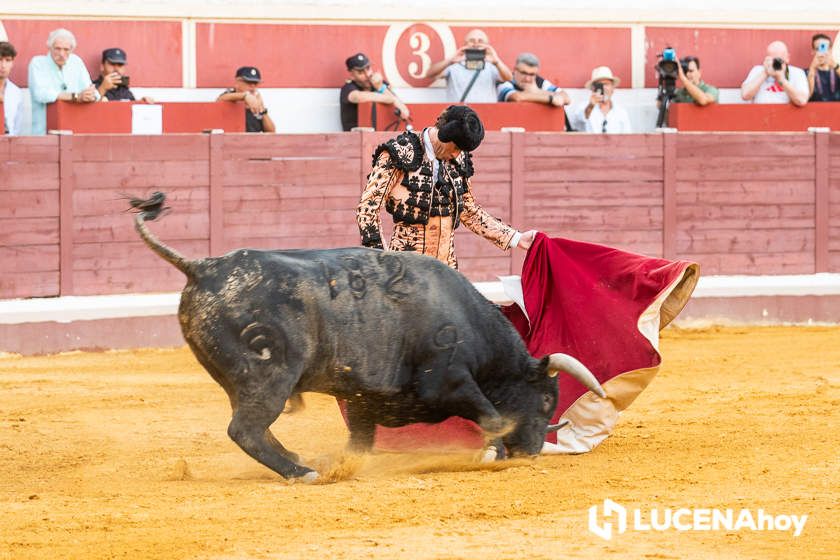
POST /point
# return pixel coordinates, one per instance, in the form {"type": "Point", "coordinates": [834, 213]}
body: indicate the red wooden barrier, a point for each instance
{"type": "Point", "coordinates": [737, 203]}
{"type": "Point", "coordinates": [115, 117]}
{"type": "Point", "coordinates": [495, 116]}
{"type": "Point", "coordinates": [833, 243]}
{"type": "Point", "coordinates": [29, 216]}
{"type": "Point", "coordinates": [750, 117]}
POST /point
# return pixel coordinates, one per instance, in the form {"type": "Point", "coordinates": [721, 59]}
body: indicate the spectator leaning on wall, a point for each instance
{"type": "Point", "coordinates": [10, 95]}
{"type": "Point", "coordinates": [59, 75]}
{"type": "Point", "coordinates": [244, 89]}
{"type": "Point", "coordinates": [824, 71]}
{"type": "Point", "coordinates": [775, 80]}
{"type": "Point", "coordinates": [365, 86]}
{"type": "Point", "coordinates": [528, 85]}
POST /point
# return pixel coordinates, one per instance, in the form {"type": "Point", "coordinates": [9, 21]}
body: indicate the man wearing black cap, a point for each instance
{"type": "Point", "coordinates": [423, 180]}
{"type": "Point", "coordinates": [245, 90]}
{"type": "Point", "coordinates": [365, 86]}
{"type": "Point", "coordinates": [112, 82]}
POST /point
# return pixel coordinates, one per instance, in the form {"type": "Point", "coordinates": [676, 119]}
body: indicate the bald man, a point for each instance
{"type": "Point", "coordinates": [478, 84]}
{"type": "Point", "coordinates": [776, 81]}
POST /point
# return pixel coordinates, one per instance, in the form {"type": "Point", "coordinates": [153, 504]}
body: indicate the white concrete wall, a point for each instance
{"type": "Point", "coordinates": [526, 12]}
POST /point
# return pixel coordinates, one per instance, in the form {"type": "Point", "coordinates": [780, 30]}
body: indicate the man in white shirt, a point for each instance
{"type": "Point", "coordinates": [601, 115]}
{"type": "Point", "coordinates": [775, 81]}
{"type": "Point", "coordinates": [58, 75]}
{"type": "Point", "coordinates": [10, 95]}
{"type": "Point", "coordinates": [476, 79]}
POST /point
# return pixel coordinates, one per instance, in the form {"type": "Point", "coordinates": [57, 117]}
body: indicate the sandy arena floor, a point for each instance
{"type": "Point", "coordinates": [125, 455]}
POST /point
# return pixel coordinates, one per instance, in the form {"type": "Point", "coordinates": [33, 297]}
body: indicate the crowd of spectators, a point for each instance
{"type": "Point", "coordinates": [773, 81]}
{"type": "Point", "coordinates": [474, 74]}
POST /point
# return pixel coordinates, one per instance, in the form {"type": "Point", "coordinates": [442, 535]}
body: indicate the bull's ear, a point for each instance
{"type": "Point", "coordinates": [539, 372]}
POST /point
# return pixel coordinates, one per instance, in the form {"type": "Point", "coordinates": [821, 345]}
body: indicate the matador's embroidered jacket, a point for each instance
{"type": "Point", "coordinates": [426, 211]}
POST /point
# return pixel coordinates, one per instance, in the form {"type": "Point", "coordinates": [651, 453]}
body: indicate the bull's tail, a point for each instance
{"type": "Point", "coordinates": [150, 209]}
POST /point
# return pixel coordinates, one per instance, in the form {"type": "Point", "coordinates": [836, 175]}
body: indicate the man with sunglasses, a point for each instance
{"type": "Point", "coordinates": [528, 85]}
{"type": "Point", "coordinates": [694, 89]}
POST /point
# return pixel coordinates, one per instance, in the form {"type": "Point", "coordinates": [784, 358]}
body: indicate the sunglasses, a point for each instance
{"type": "Point", "coordinates": [524, 73]}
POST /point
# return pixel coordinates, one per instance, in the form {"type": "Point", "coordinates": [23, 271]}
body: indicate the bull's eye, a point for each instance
{"type": "Point", "coordinates": [548, 404]}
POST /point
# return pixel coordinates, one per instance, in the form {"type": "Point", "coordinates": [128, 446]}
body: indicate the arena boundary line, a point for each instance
{"type": "Point", "coordinates": [69, 309]}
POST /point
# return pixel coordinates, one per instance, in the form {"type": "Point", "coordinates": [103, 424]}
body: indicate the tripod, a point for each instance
{"type": "Point", "coordinates": [664, 97]}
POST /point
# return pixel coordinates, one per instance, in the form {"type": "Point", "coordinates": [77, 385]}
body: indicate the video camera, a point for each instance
{"type": "Point", "coordinates": [474, 59]}
{"type": "Point", "coordinates": [667, 70]}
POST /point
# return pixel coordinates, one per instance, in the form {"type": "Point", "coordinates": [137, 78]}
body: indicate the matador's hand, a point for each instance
{"type": "Point", "coordinates": [527, 239]}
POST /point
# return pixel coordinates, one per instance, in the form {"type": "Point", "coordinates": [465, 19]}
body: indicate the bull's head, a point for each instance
{"type": "Point", "coordinates": [533, 403]}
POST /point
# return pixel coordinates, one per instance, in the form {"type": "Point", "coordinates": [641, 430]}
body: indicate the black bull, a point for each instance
{"type": "Point", "coordinates": [401, 337]}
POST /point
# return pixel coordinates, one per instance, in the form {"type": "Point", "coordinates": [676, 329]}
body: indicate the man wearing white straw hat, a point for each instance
{"type": "Point", "coordinates": [600, 114]}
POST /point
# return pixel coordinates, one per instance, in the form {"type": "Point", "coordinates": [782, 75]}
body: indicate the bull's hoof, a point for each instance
{"type": "Point", "coordinates": [309, 477]}
{"type": "Point", "coordinates": [492, 453]}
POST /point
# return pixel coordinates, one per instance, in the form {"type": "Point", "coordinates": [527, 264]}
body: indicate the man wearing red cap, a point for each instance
{"type": "Point", "coordinates": [423, 180]}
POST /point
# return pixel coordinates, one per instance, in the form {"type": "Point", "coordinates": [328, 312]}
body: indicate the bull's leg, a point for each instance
{"type": "Point", "coordinates": [249, 429]}
{"type": "Point", "coordinates": [461, 396]}
{"type": "Point", "coordinates": [361, 426]}
{"type": "Point", "coordinates": [290, 455]}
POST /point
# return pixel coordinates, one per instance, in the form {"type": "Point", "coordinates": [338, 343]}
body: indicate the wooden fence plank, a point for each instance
{"type": "Point", "coordinates": [739, 241]}
{"type": "Point", "coordinates": [778, 145]}
{"type": "Point", "coordinates": [128, 148]}
{"type": "Point", "coordinates": [29, 175]}
{"type": "Point", "coordinates": [546, 169]}
{"type": "Point", "coordinates": [28, 284]}
{"type": "Point", "coordinates": [100, 229]}
{"type": "Point", "coordinates": [608, 146]}
{"type": "Point", "coordinates": [30, 258]}
{"type": "Point", "coordinates": [737, 168]}
{"type": "Point", "coordinates": [29, 204]}
{"type": "Point", "coordinates": [123, 176]}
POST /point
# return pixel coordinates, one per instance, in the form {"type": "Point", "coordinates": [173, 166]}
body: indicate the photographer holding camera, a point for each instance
{"type": "Point", "coordinates": [112, 82]}
{"type": "Point", "coordinates": [776, 81]}
{"type": "Point", "coordinates": [600, 114]}
{"type": "Point", "coordinates": [824, 71]}
{"type": "Point", "coordinates": [473, 72]}
{"type": "Point", "coordinates": [694, 89]}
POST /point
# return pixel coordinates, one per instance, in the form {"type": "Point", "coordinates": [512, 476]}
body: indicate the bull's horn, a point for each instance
{"type": "Point", "coordinates": [558, 425]}
{"type": "Point", "coordinates": [573, 367]}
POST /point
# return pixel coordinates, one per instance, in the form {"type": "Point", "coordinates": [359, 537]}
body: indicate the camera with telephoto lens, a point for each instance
{"type": "Point", "coordinates": [598, 88]}
{"type": "Point", "coordinates": [822, 46]}
{"type": "Point", "coordinates": [667, 70]}
{"type": "Point", "coordinates": [474, 59]}
{"type": "Point", "coordinates": [123, 81]}
{"type": "Point", "coordinates": [778, 63]}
